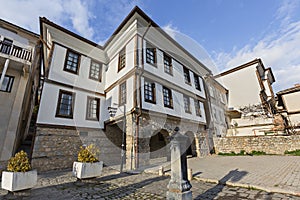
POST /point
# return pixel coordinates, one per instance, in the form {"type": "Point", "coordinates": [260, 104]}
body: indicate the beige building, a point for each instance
{"type": "Point", "coordinates": [288, 103]}
{"type": "Point", "coordinates": [19, 62]}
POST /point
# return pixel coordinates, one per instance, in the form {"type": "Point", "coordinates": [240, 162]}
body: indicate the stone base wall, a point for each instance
{"type": "Point", "coordinates": [57, 148]}
{"type": "Point", "coordinates": [268, 144]}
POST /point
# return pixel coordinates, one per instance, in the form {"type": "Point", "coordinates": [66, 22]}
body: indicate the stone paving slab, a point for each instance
{"type": "Point", "coordinates": [112, 185]}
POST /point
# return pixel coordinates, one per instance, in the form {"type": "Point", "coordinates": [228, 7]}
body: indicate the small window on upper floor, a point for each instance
{"type": "Point", "coordinates": [197, 108]}
{"type": "Point", "coordinates": [168, 64]}
{"type": "Point", "coordinates": [187, 104]}
{"type": "Point", "coordinates": [149, 91]}
{"type": "Point", "coordinates": [186, 74]}
{"type": "Point", "coordinates": [72, 62]}
{"type": "Point", "coordinates": [7, 83]}
{"type": "Point", "coordinates": [196, 81]}
{"type": "Point", "coordinates": [122, 59]}
{"type": "Point", "coordinates": [151, 54]}
{"type": "Point", "coordinates": [168, 100]}
{"type": "Point", "coordinates": [93, 106]}
{"type": "Point", "coordinates": [6, 46]}
{"type": "Point", "coordinates": [65, 104]}
{"type": "Point", "coordinates": [122, 94]}
{"type": "Point", "coordinates": [95, 70]}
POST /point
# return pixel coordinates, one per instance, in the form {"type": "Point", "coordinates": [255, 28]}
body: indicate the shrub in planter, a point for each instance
{"type": "Point", "coordinates": [88, 165]}
{"type": "Point", "coordinates": [19, 175]}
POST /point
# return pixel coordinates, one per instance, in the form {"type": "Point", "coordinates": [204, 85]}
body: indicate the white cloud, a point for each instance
{"type": "Point", "coordinates": [279, 50]}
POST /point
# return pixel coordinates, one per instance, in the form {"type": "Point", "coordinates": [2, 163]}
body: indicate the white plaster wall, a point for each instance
{"type": "Point", "coordinates": [178, 105]}
{"type": "Point", "coordinates": [112, 74]}
{"type": "Point", "coordinates": [267, 88]}
{"type": "Point", "coordinates": [295, 119]}
{"type": "Point", "coordinates": [243, 87]}
{"type": "Point", "coordinates": [177, 78]}
{"type": "Point", "coordinates": [292, 101]}
{"type": "Point", "coordinates": [112, 98]}
{"type": "Point", "coordinates": [48, 106]}
{"type": "Point", "coordinates": [17, 39]}
{"type": "Point", "coordinates": [81, 80]}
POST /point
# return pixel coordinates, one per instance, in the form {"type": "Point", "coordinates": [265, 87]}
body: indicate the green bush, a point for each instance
{"type": "Point", "coordinates": [258, 153]}
{"type": "Point", "coordinates": [19, 163]}
{"type": "Point", "coordinates": [88, 154]}
{"type": "Point", "coordinates": [294, 153]}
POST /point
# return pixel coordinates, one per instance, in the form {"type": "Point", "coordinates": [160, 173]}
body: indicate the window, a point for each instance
{"type": "Point", "coordinates": [197, 108]}
{"type": "Point", "coordinates": [95, 70]}
{"type": "Point", "coordinates": [122, 59]}
{"type": "Point", "coordinates": [149, 91]}
{"type": "Point", "coordinates": [168, 64]}
{"type": "Point", "coordinates": [65, 104]}
{"type": "Point", "coordinates": [196, 81]}
{"type": "Point", "coordinates": [6, 46]}
{"type": "Point", "coordinates": [151, 55]}
{"type": "Point", "coordinates": [186, 74]}
{"type": "Point", "coordinates": [72, 62]}
{"type": "Point", "coordinates": [7, 83]}
{"type": "Point", "coordinates": [122, 94]}
{"type": "Point", "coordinates": [187, 106]}
{"type": "Point", "coordinates": [168, 101]}
{"type": "Point", "coordinates": [93, 105]}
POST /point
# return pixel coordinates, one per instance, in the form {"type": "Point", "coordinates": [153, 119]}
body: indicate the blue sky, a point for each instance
{"type": "Point", "coordinates": [230, 32]}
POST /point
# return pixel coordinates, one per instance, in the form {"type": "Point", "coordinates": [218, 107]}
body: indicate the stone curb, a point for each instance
{"type": "Point", "coordinates": [248, 186]}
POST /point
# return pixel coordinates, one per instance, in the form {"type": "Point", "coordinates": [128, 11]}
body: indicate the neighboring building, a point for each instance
{"type": "Point", "coordinates": [218, 107]}
{"type": "Point", "coordinates": [288, 105]}
{"type": "Point", "coordinates": [141, 76]}
{"type": "Point", "coordinates": [251, 101]}
{"type": "Point", "coordinates": [19, 64]}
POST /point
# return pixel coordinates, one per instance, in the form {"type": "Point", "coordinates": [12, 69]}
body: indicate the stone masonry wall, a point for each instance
{"type": "Point", "coordinates": [57, 148]}
{"type": "Point", "coordinates": [268, 144]}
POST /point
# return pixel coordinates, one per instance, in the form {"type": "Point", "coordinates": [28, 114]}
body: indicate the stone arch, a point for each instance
{"type": "Point", "coordinates": [159, 144]}
{"type": "Point", "coordinates": [191, 146]}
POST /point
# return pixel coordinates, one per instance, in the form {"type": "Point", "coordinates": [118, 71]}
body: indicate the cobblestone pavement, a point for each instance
{"type": "Point", "coordinates": [111, 185]}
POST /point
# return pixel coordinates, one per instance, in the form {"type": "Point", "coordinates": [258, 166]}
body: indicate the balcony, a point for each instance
{"type": "Point", "coordinates": [7, 47]}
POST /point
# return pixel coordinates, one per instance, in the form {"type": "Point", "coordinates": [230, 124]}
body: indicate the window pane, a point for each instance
{"type": "Point", "coordinates": [95, 71]}
{"type": "Point", "coordinates": [72, 61]}
{"type": "Point", "coordinates": [7, 83]}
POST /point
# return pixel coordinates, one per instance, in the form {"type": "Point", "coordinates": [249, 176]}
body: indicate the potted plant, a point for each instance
{"type": "Point", "coordinates": [88, 165]}
{"type": "Point", "coordinates": [19, 175]}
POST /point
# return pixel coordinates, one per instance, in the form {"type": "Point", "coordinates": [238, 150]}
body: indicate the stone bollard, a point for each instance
{"type": "Point", "coordinates": [179, 185]}
{"type": "Point", "coordinates": [190, 174]}
{"type": "Point", "coordinates": [161, 171]}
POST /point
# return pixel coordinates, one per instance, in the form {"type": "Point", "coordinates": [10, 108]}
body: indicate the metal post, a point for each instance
{"type": "Point", "coordinates": [123, 140]}
{"type": "Point", "coordinates": [4, 72]}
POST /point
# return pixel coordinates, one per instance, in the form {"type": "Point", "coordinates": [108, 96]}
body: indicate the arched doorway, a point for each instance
{"type": "Point", "coordinates": [158, 145]}
{"type": "Point", "coordinates": [191, 147]}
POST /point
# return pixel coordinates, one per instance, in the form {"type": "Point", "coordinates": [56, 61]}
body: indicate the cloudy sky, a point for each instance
{"type": "Point", "coordinates": [228, 32]}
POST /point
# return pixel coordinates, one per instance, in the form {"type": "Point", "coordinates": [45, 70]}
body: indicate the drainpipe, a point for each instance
{"type": "Point", "coordinates": [140, 99]}
{"type": "Point", "coordinates": [4, 72]}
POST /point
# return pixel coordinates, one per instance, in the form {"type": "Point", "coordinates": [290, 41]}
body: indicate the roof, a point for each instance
{"type": "Point", "coordinates": [248, 64]}
{"type": "Point", "coordinates": [17, 27]}
{"type": "Point", "coordinates": [296, 88]}
{"type": "Point", "coordinates": [135, 10]}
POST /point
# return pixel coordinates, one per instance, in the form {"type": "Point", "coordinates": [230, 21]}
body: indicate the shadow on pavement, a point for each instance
{"type": "Point", "coordinates": [233, 176]}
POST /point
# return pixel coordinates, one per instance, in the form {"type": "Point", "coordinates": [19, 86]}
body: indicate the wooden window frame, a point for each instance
{"type": "Point", "coordinates": [187, 79]}
{"type": "Point", "coordinates": [120, 94]}
{"type": "Point", "coordinates": [9, 86]}
{"type": "Point", "coordinates": [149, 60]}
{"type": "Point", "coordinates": [77, 64]}
{"type": "Point", "coordinates": [100, 71]}
{"type": "Point", "coordinates": [188, 110]}
{"type": "Point", "coordinates": [197, 82]}
{"type": "Point", "coordinates": [61, 92]}
{"type": "Point", "coordinates": [90, 98]}
{"type": "Point", "coordinates": [153, 91]}
{"type": "Point", "coordinates": [169, 64]}
{"type": "Point", "coordinates": [170, 98]}
{"type": "Point", "coordinates": [122, 59]}
{"type": "Point", "coordinates": [197, 108]}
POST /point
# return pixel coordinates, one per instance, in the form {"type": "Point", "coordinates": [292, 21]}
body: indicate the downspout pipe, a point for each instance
{"type": "Point", "coordinates": [140, 98]}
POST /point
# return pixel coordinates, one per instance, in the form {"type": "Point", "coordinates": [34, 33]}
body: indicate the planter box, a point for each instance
{"type": "Point", "coordinates": [87, 170]}
{"type": "Point", "coordinates": [15, 181]}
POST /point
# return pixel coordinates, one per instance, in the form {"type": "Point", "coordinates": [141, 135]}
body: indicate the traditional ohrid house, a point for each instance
{"type": "Point", "coordinates": [251, 100]}
{"type": "Point", "coordinates": [288, 105]}
{"type": "Point", "coordinates": [19, 64]}
{"type": "Point", "coordinates": [141, 83]}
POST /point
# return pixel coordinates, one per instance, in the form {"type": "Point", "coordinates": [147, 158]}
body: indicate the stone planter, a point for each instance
{"type": "Point", "coordinates": [87, 170]}
{"type": "Point", "coordinates": [15, 181]}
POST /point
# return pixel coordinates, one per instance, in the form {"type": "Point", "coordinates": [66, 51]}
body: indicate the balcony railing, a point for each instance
{"type": "Point", "coordinates": [14, 50]}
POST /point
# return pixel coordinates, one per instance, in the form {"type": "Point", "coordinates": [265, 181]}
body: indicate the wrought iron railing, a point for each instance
{"type": "Point", "coordinates": [14, 50]}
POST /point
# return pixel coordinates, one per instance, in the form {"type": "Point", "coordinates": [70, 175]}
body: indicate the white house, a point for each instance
{"type": "Point", "coordinates": [140, 81]}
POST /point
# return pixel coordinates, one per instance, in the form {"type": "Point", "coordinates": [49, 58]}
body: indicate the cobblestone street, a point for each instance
{"type": "Point", "coordinates": [112, 185]}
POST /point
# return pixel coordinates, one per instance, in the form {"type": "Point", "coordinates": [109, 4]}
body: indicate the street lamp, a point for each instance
{"type": "Point", "coordinates": [112, 112]}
